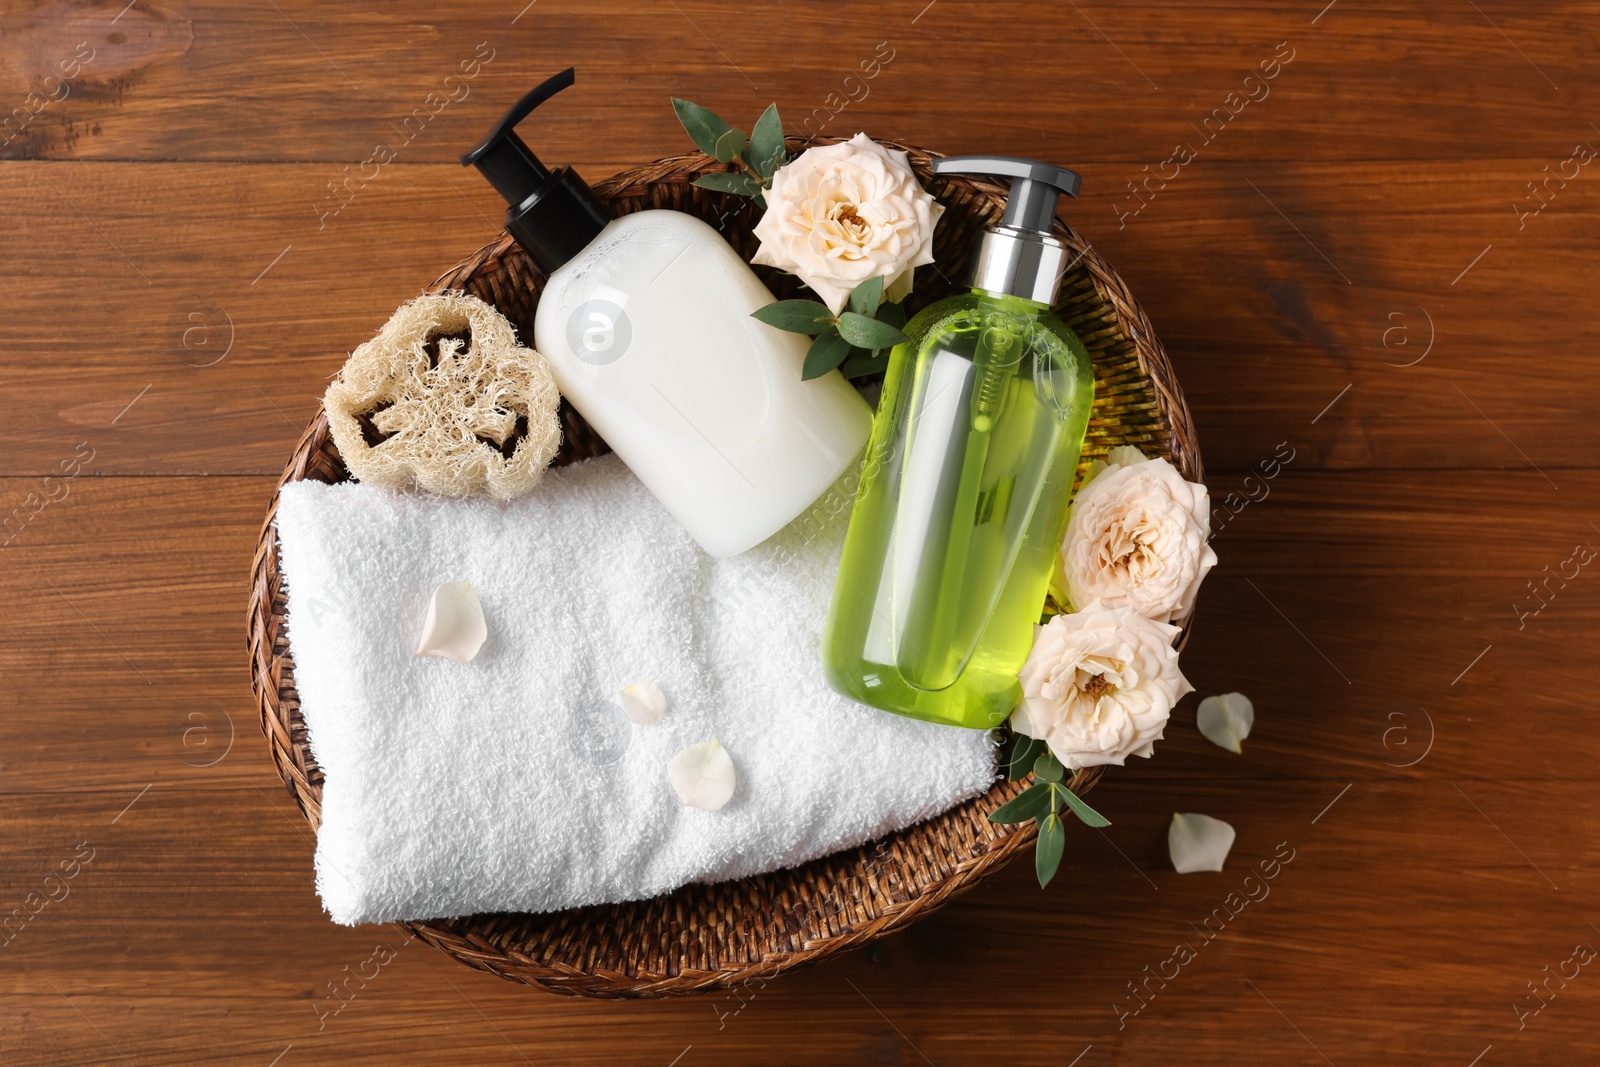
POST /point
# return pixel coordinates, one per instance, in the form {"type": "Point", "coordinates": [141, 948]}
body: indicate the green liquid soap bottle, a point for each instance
{"type": "Point", "coordinates": [968, 474]}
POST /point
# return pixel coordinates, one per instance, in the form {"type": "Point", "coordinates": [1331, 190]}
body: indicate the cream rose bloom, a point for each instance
{"type": "Point", "coordinates": [1138, 537]}
{"type": "Point", "coordinates": [1099, 685]}
{"type": "Point", "coordinates": [840, 214]}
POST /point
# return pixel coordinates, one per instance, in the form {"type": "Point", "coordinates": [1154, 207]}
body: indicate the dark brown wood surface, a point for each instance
{"type": "Point", "coordinates": [1357, 265]}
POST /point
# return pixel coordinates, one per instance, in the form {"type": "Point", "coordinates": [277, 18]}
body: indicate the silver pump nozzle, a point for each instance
{"type": "Point", "coordinates": [1020, 256]}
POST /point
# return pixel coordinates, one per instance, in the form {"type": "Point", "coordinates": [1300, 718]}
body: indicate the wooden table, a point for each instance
{"type": "Point", "coordinates": [1379, 257]}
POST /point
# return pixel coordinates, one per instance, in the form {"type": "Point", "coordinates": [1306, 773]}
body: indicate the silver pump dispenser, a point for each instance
{"type": "Point", "coordinates": [1020, 256]}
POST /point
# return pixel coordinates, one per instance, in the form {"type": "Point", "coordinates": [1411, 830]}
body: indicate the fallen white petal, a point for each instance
{"type": "Point", "coordinates": [644, 703]}
{"type": "Point", "coordinates": [1226, 720]}
{"type": "Point", "coordinates": [702, 775]}
{"type": "Point", "coordinates": [454, 628]}
{"type": "Point", "coordinates": [1198, 843]}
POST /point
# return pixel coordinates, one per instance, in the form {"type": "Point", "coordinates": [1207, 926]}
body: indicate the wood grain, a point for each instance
{"type": "Point", "coordinates": [182, 281]}
{"type": "Point", "coordinates": [298, 81]}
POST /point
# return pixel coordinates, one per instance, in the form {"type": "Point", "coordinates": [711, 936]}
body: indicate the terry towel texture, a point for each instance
{"type": "Point", "coordinates": [514, 782]}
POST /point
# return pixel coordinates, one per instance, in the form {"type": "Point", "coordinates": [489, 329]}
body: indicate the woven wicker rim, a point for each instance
{"type": "Point", "coordinates": [706, 937]}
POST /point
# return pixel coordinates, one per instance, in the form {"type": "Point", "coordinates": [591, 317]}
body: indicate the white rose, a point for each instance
{"type": "Point", "coordinates": [1138, 537]}
{"type": "Point", "coordinates": [840, 214]}
{"type": "Point", "coordinates": [1099, 685]}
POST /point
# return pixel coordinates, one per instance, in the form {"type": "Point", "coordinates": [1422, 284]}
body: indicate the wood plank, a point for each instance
{"type": "Point", "coordinates": [222, 954]}
{"type": "Point", "coordinates": [179, 260]}
{"type": "Point", "coordinates": [301, 81]}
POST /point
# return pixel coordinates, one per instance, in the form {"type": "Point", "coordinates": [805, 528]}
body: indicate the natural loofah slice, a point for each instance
{"type": "Point", "coordinates": [444, 398]}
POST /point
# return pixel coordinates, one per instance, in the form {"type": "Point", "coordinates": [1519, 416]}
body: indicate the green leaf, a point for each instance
{"type": "Point", "coordinates": [796, 316]}
{"type": "Point", "coordinates": [866, 297]}
{"type": "Point", "coordinates": [826, 353]}
{"type": "Point", "coordinates": [1029, 804]}
{"type": "Point", "coordinates": [703, 126]}
{"type": "Point", "coordinates": [724, 182]}
{"type": "Point", "coordinates": [861, 366]}
{"type": "Point", "coordinates": [893, 314]}
{"type": "Point", "coordinates": [730, 145]}
{"type": "Point", "coordinates": [709, 133]}
{"type": "Point", "coordinates": [868, 333]}
{"type": "Point", "coordinates": [1087, 815]}
{"type": "Point", "coordinates": [1023, 753]}
{"type": "Point", "coordinates": [767, 152]}
{"type": "Point", "coordinates": [1047, 850]}
{"type": "Point", "coordinates": [1047, 768]}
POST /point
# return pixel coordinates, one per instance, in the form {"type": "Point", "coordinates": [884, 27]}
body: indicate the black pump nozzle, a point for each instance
{"type": "Point", "coordinates": [552, 214]}
{"type": "Point", "coordinates": [1035, 189]}
{"type": "Point", "coordinates": [504, 158]}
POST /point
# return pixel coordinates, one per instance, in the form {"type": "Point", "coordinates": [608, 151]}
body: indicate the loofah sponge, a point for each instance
{"type": "Point", "coordinates": [444, 398]}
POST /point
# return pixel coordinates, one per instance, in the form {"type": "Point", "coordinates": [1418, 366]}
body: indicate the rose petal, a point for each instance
{"type": "Point", "coordinates": [702, 775]}
{"type": "Point", "coordinates": [1226, 720]}
{"type": "Point", "coordinates": [454, 628]}
{"type": "Point", "coordinates": [1125, 456]}
{"type": "Point", "coordinates": [1198, 843]}
{"type": "Point", "coordinates": [643, 703]}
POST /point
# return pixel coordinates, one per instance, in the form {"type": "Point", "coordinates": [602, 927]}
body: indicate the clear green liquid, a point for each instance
{"type": "Point", "coordinates": [962, 505]}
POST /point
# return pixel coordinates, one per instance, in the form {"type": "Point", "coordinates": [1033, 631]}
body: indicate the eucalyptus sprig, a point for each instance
{"type": "Point", "coordinates": [759, 156]}
{"type": "Point", "coordinates": [854, 340]}
{"type": "Point", "coordinates": [1041, 802]}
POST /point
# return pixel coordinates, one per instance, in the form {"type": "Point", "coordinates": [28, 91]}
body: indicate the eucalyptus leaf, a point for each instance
{"type": "Point", "coordinates": [1048, 849]}
{"type": "Point", "coordinates": [767, 153]}
{"type": "Point", "coordinates": [796, 316]}
{"type": "Point", "coordinates": [893, 314]}
{"type": "Point", "coordinates": [860, 367]}
{"type": "Point", "coordinates": [868, 333]}
{"type": "Point", "coordinates": [1023, 753]}
{"type": "Point", "coordinates": [730, 145]}
{"type": "Point", "coordinates": [1031, 803]}
{"type": "Point", "coordinates": [826, 352]}
{"type": "Point", "coordinates": [1047, 768]}
{"type": "Point", "coordinates": [724, 182]}
{"type": "Point", "coordinates": [706, 129]}
{"type": "Point", "coordinates": [866, 297]}
{"type": "Point", "coordinates": [1086, 815]}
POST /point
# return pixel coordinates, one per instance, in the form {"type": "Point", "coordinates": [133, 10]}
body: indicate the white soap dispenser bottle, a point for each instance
{"type": "Point", "coordinates": [645, 321]}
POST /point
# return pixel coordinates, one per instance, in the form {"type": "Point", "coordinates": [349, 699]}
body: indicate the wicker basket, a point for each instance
{"type": "Point", "coordinates": [706, 937]}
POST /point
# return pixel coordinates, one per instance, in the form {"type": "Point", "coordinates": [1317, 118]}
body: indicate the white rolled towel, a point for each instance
{"type": "Point", "coordinates": [515, 782]}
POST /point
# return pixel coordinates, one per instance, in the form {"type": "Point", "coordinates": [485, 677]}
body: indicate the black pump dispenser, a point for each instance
{"type": "Point", "coordinates": [553, 215]}
{"type": "Point", "coordinates": [1020, 256]}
